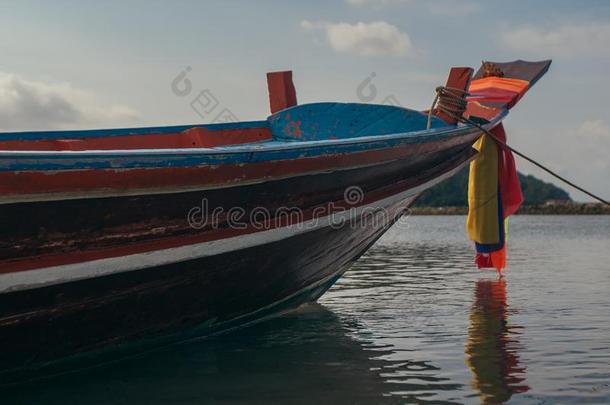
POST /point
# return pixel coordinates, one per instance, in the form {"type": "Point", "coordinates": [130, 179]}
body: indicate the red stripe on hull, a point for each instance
{"type": "Point", "coordinates": [34, 183]}
{"type": "Point", "coordinates": [195, 137]}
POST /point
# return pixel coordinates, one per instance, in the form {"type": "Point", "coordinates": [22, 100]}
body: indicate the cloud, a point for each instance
{"type": "Point", "coordinates": [568, 40]}
{"type": "Point", "coordinates": [364, 39]}
{"type": "Point", "coordinates": [593, 141]}
{"type": "Point", "coordinates": [578, 152]}
{"type": "Point", "coordinates": [594, 129]}
{"type": "Point", "coordinates": [361, 3]}
{"type": "Point", "coordinates": [453, 8]}
{"type": "Point", "coordinates": [28, 105]}
{"type": "Point", "coordinates": [428, 78]}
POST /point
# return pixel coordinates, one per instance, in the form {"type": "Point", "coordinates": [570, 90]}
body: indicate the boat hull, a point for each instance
{"type": "Point", "coordinates": [82, 275]}
{"type": "Point", "coordinates": [212, 293]}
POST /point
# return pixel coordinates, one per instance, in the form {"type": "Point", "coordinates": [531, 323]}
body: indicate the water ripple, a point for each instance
{"type": "Point", "coordinates": [411, 322]}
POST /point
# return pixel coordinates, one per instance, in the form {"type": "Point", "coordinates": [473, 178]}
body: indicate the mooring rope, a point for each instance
{"type": "Point", "coordinates": [452, 102]}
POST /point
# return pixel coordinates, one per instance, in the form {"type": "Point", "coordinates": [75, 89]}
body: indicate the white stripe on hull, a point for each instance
{"type": "Point", "coordinates": [29, 279]}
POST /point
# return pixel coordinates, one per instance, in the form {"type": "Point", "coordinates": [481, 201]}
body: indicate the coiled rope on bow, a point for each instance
{"type": "Point", "coordinates": [452, 102]}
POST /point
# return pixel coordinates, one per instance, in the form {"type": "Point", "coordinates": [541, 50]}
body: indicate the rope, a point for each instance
{"type": "Point", "coordinates": [450, 100]}
{"type": "Point", "coordinates": [453, 108]}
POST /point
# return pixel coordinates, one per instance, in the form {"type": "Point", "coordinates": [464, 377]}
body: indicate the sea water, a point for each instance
{"type": "Point", "coordinates": [412, 322]}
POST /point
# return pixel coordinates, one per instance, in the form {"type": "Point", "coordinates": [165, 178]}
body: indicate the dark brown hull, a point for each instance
{"type": "Point", "coordinates": [188, 298]}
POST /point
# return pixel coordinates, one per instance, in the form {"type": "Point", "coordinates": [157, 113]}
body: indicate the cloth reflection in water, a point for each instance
{"type": "Point", "coordinates": [491, 350]}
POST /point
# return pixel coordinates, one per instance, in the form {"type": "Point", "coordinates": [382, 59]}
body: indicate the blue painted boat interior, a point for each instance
{"type": "Point", "coordinates": [308, 130]}
{"type": "Point", "coordinates": [307, 122]}
{"type": "Point", "coordinates": [319, 121]}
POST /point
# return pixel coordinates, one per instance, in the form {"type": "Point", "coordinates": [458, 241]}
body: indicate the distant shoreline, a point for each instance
{"type": "Point", "coordinates": [549, 209]}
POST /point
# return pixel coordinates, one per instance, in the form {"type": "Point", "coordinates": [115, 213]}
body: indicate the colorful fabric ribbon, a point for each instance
{"type": "Point", "coordinates": [494, 193]}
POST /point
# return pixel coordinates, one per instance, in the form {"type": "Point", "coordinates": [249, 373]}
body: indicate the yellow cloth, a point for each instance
{"type": "Point", "coordinates": [482, 223]}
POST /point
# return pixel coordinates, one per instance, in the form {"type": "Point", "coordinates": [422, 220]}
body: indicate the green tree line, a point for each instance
{"type": "Point", "coordinates": [453, 192]}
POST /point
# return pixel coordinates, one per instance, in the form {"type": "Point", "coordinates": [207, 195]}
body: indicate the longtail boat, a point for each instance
{"type": "Point", "coordinates": [116, 236]}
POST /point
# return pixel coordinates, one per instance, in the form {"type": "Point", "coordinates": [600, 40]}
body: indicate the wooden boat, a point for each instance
{"type": "Point", "coordinates": [123, 235]}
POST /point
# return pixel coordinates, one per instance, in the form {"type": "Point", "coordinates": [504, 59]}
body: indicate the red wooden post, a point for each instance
{"type": "Point", "coordinates": [459, 78]}
{"type": "Point", "coordinates": [281, 90]}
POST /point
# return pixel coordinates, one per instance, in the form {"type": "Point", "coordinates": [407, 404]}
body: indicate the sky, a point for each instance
{"type": "Point", "coordinates": [75, 64]}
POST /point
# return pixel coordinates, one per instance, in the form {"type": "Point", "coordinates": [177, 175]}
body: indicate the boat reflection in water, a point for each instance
{"type": "Point", "coordinates": [491, 350]}
{"type": "Point", "coordinates": [390, 332]}
{"type": "Point", "coordinates": [304, 357]}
